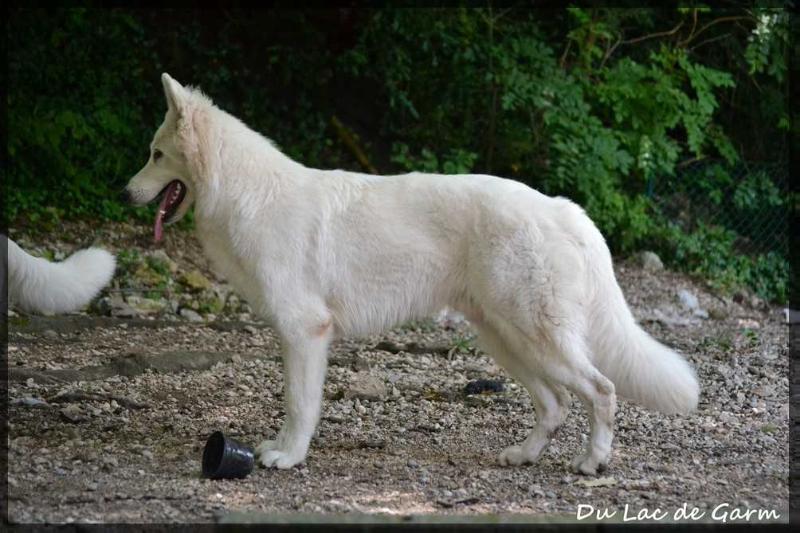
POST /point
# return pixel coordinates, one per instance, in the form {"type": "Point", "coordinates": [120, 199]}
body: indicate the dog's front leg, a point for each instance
{"type": "Point", "coordinates": [305, 349]}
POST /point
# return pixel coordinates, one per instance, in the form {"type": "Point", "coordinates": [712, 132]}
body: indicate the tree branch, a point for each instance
{"type": "Point", "coordinates": [711, 40]}
{"type": "Point", "coordinates": [715, 21]}
{"type": "Point", "coordinates": [638, 39]}
{"type": "Point", "coordinates": [610, 51]}
{"type": "Point", "coordinates": [654, 35]}
{"type": "Point", "coordinates": [350, 142]}
{"type": "Point", "coordinates": [694, 24]}
{"type": "Point", "coordinates": [563, 59]}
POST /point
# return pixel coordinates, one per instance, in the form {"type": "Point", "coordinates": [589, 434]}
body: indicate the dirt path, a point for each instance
{"type": "Point", "coordinates": [119, 445]}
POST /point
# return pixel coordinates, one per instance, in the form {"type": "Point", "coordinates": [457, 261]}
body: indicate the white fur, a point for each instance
{"type": "Point", "coordinates": [325, 253]}
{"type": "Point", "coordinates": [39, 286]}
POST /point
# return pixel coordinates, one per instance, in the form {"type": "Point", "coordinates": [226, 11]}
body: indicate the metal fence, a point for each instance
{"type": "Point", "coordinates": [751, 200]}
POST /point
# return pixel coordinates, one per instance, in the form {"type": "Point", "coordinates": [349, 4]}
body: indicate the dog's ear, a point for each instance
{"type": "Point", "coordinates": [174, 92]}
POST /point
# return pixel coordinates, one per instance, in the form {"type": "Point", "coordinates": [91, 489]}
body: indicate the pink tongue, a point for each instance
{"type": "Point", "coordinates": [158, 230]}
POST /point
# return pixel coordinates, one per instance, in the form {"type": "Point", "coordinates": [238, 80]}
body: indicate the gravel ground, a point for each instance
{"type": "Point", "coordinates": [127, 448]}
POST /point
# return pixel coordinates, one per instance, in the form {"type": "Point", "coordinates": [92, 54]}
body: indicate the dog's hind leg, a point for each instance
{"type": "Point", "coordinates": [305, 345]}
{"type": "Point", "coordinates": [551, 402]}
{"type": "Point", "coordinates": [552, 406]}
{"type": "Point", "coordinates": [574, 370]}
{"type": "Point", "coordinates": [553, 363]}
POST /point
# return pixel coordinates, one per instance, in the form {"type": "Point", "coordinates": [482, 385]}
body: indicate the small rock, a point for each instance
{"type": "Point", "coordinates": [366, 387]}
{"type": "Point", "coordinates": [380, 444]}
{"type": "Point", "coordinates": [73, 413]}
{"type": "Point", "coordinates": [718, 313]}
{"type": "Point", "coordinates": [688, 300]}
{"type": "Point", "coordinates": [162, 257]}
{"type": "Point", "coordinates": [361, 364]}
{"type": "Point", "coordinates": [252, 330]}
{"type": "Point", "coordinates": [758, 303]}
{"type": "Point", "coordinates": [670, 319]}
{"type": "Point", "coordinates": [147, 306]}
{"type": "Point", "coordinates": [115, 306]}
{"type": "Point", "coordinates": [412, 463]}
{"type": "Point", "coordinates": [190, 315]}
{"type": "Point", "coordinates": [146, 276]}
{"type": "Point", "coordinates": [748, 323]}
{"type": "Point", "coordinates": [102, 306]}
{"type": "Point", "coordinates": [49, 334]}
{"type": "Point", "coordinates": [649, 261]}
{"type": "Point", "coordinates": [29, 401]}
{"type": "Point", "coordinates": [196, 280]}
{"type": "Point", "coordinates": [599, 482]}
{"type": "Point", "coordinates": [536, 491]}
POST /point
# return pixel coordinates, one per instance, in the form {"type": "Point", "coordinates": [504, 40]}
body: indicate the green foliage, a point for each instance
{"type": "Point", "coordinates": [710, 252]}
{"type": "Point", "coordinates": [456, 161]}
{"type": "Point", "coordinates": [128, 261]}
{"type": "Point", "coordinates": [595, 133]}
{"type": "Point", "coordinates": [210, 303]}
{"type": "Point", "coordinates": [767, 43]}
{"type": "Point", "coordinates": [596, 104]}
{"type": "Point", "coordinates": [69, 119]}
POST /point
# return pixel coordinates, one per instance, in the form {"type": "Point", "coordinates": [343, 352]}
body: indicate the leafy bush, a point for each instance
{"type": "Point", "coordinates": [599, 105]}
{"type": "Point", "coordinates": [710, 252]}
{"type": "Point", "coordinates": [76, 123]}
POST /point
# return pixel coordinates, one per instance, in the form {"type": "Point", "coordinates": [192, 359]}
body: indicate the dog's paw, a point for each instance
{"type": "Point", "coordinates": [279, 459]}
{"type": "Point", "coordinates": [512, 456]}
{"type": "Point", "coordinates": [266, 446]}
{"type": "Point", "coordinates": [270, 456]}
{"type": "Point", "coordinates": [517, 455]}
{"type": "Point", "coordinates": [588, 465]}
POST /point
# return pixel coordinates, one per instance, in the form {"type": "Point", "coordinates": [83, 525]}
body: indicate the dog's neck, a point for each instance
{"type": "Point", "coordinates": [222, 162]}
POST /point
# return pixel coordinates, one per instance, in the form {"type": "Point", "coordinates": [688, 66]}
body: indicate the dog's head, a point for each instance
{"type": "Point", "coordinates": [167, 175]}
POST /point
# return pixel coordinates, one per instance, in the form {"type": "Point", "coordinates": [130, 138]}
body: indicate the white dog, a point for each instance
{"type": "Point", "coordinates": [326, 253]}
{"type": "Point", "coordinates": [38, 286]}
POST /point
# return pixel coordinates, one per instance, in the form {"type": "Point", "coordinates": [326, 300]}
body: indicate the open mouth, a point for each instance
{"type": "Point", "coordinates": [171, 197]}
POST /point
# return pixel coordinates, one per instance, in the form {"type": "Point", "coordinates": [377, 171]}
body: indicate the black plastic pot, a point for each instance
{"type": "Point", "coordinates": [225, 458]}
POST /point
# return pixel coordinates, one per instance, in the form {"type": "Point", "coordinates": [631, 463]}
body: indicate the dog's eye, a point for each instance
{"type": "Point", "coordinates": [157, 154]}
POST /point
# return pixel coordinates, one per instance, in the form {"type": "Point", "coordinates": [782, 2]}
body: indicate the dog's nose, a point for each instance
{"type": "Point", "coordinates": [125, 196]}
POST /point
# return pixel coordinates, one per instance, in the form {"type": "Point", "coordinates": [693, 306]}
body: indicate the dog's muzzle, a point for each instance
{"type": "Point", "coordinates": [125, 196]}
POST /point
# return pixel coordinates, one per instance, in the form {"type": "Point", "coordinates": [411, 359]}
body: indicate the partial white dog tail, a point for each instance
{"type": "Point", "coordinates": [39, 286]}
{"type": "Point", "coordinates": [640, 367]}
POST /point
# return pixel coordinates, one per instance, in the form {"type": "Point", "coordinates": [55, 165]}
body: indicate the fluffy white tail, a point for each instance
{"type": "Point", "coordinates": [39, 286]}
{"type": "Point", "coordinates": [641, 368]}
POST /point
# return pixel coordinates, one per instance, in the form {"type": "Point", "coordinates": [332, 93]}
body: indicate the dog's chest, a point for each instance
{"type": "Point", "coordinates": [220, 252]}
